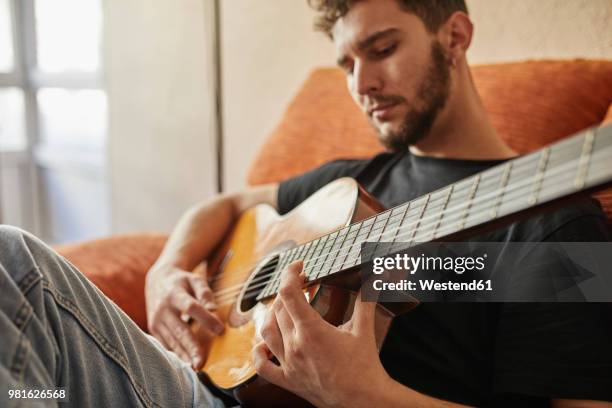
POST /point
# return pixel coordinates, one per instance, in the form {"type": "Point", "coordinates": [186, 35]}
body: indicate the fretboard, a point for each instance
{"type": "Point", "coordinates": [575, 164]}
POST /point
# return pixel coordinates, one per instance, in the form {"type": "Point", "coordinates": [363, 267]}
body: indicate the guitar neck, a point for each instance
{"type": "Point", "coordinates": [576, 164]}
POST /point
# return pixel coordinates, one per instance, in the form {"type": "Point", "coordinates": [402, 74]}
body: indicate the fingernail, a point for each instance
{"type": "Point", "coordinates": [210, 305]}
{"type": "Point", "coordinates": [196, 362]}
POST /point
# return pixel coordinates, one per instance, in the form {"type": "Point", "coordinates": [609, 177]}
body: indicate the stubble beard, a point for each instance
{"type": "Point", "coordinates": [431, 99]}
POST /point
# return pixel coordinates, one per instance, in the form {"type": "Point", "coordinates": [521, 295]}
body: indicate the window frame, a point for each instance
{"type": "Point", "coordinates": [27, 77]}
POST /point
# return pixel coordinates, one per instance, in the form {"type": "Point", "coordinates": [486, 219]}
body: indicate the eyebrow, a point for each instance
{"type": "Point", "coordinates": [365, 43]}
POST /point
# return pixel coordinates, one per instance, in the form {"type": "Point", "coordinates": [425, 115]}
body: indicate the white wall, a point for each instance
{"type": "Point", "coordinates": [511, 30]}
{"type": "Point", "coordinates": [269, 47]}
{"type": "Point", "coordinates": [159, 78]}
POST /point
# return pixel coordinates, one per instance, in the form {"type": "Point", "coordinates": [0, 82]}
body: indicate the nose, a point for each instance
{"type": "Point", "coordinates": [365, 80]}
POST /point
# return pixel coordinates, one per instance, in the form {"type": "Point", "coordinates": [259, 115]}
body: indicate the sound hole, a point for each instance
{"type": "Point", "coordinates": [257, 283]}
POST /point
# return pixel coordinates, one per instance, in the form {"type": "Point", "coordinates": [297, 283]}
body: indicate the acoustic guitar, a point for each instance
{"type": "Point", "coordinates": [327, 230]}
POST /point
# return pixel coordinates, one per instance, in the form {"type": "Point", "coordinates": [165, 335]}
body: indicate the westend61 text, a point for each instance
{"type": "Point", "coordinates": [430, 284]}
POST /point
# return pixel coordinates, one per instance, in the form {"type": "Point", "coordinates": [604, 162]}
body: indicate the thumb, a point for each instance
{"type": "Point", "coordinates": [364, 317]}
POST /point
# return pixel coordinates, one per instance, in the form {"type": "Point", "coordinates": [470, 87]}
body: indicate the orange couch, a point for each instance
{"type": "Point", "coordinates": [530, 103]}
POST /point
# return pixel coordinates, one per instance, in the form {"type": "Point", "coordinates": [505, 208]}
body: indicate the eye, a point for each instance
{"type": "Point", "coordinates": [385, 51]}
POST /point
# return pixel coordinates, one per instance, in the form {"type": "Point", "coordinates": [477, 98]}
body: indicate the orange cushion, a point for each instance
{"type": "Point", "coordinates": [118, 266]}
{"type": "Point", "coordinates": [530, 104]}
{"type": "Point", "coordinates": [605, 196]}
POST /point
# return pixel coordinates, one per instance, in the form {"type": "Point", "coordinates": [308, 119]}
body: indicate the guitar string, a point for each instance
{"type": "Point", "coordinates": [438, 216]}
{"type": "Point", "coordinates": [222, 295]}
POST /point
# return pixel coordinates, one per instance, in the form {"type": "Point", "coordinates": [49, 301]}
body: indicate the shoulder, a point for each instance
{"type": "Point", "coordinates": [293, 191]}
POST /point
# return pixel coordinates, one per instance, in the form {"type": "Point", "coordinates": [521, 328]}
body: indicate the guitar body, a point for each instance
{"type": "Point", "coordinates": [257, 235]}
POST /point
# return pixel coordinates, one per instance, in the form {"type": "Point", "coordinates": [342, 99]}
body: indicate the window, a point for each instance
{"type": "Point", "coordinates": [52, 117]}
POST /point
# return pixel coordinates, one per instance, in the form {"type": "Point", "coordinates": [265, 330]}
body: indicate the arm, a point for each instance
{"type": "Point", "coordinates": [336, 366]}
{"type": "Point", "coordinates": [173, 294]}
{"type": "Point", "coordinates": [203, 226]}
{"type": "Point", "coordinates": [327, 365]}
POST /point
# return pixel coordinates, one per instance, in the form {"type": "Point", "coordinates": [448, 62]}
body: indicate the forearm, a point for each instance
{"type": "Point", "coordinates": [197, 232]}
{"type": "Point", "coordinates": [203, 226]}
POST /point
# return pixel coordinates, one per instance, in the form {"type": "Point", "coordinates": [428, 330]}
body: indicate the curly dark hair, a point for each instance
{"type": "Point", "coordinates": [433, 13]}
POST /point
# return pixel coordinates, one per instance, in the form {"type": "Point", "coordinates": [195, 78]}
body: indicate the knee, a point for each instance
{"type": "Point", "coordinates": [16, 247]}
{"type": "Point", "coordinates": [9, 236]}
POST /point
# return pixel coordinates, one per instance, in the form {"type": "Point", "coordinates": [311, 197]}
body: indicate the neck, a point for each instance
{"type": "Point", "coordinates": [462, 129]}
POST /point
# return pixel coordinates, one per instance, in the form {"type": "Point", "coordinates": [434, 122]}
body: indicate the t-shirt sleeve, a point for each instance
{"type": "Point", "coordinates": [557, 350]}
{"type": "Point", "coordinates": [293, 191]}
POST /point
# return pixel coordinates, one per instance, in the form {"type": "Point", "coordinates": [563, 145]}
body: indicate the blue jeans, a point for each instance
{"type": "Point", "coordinates": [57, 330]}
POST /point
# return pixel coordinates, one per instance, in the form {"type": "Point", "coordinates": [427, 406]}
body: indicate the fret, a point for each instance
{"type": "Point", "coordinates": [519, 183]}
{"type": "Point", "coordinates": [501, 189]}
{"type": "Point", "coordinates": [585, 158]}
{"type": "Point", "coordinates": [336, 248]}
{"type": "Point", "coordinates": [323, 254]}
{"type": "Point", "coordinates": [308, 258]}
{"type": "Point", "coordinates": [471, 195]}
{"type": "Point", "coordinates": [277, 279]}
{"type": "Point", "coordinates": [329, 252]}
{"type": "Point", "coordinates": [565, 152]}
{"type": "Point", "coordinates": [343, 251]}
{"type": "Point", "coordinates": [600, 168]}
{"type": "Point", "coordinates": [446, 200]}
{"type": "Point", "coordinates": [316, 267]}
{"type": "Point", "coordinates": [333, 249]}
{"type": "Point", "coordinates": [331, 261]}
{"type": "Point", "coordinates": [300, 251]}
{"type": "Point", "coordinates": [539, 176]}
{"type": "Point", "coordinates": [366, 228]}
{"type": "Point", "coordinates": [391, 228]}
{"type": "Point", "coordinates": [353, 257]}
{"type": "Point", "coordinates": [418, 222]}
{"type": "Point", "coordinates": [402, 213]}
{"type": "Point", "coordinates": [362, 234]}
{"type": "Point", "coordinates": [283, 262]}
{"type": "Point", "coordinates": [431, 215]}
{"type": "Point", "coordinates": [324, 271]}
{"type": "Point", "coordinates": [379, 222]}
{"type": "Point", "coordinates": [292, 255]}
{"type": "Point", "coordinates": [366, 225]}
{"type": "Point", "coordinates": [384, 226]}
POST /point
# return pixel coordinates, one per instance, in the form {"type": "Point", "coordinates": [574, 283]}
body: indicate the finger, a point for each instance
{"type": "Point", "coordinates": [188, 305]}
{"type": "Point", "coordinates": [272, 336]}
{"type": "Point", "coordinates": [285, 324]}
{"type": "Point", "coordinates": [203, 292]}
{"type": "Point", "coordinates": [158, 334]}
{"type": "Point", "coordinates": [292, 296]}
{"type": "Point", "coordinates": [187, 340]}
{"type": "Point", "coordinates": [266, 368]}
{"type": "Point", "coordinates": [364, 317]}
{"type": "Point", "coordinates": [172, 344]}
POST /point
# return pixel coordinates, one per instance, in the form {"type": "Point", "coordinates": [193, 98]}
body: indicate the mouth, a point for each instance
{"type": "Point", "coordinates": [382, 112]}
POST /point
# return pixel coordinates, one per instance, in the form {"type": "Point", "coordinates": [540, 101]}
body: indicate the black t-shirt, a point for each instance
{"type": "Point", "coordinates": [485, 354]}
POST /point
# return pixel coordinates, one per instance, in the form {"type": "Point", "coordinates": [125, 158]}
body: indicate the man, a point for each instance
{"type": "Point", "coordinates": [406, 68]}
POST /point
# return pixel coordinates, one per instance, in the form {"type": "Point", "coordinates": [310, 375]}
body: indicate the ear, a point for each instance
{"type": "Point", "coordinates": [456, 35]}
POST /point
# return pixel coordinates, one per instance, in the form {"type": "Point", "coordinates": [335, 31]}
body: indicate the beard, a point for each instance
{"type": "Point", "coordinates": [430, 100]}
